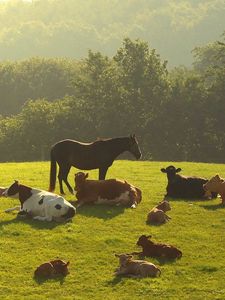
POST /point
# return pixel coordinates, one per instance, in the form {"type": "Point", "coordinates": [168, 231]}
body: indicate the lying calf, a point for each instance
{"type": "Point", "coordinates": [39, 204]}
{"type": "Point", "coordinates": [110, 191]}
{"type": "Point", "coordinates": [157, 215]}
{"type": "Point", "coordinates": [52, 269]}
{"type": "Point", "coordinates": [216, 185]}
{"type": "Point", "coordinates": [137, 268]}
{"type": "Point", "coordinates": [152, 249]}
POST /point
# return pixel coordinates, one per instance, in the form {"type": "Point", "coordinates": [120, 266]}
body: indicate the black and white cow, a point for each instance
{"type": "Point", "coordinates": [185, 187]}
{"type": "Point", "coordinates": [39, 204]}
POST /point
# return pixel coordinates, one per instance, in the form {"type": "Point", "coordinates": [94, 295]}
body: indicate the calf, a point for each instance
{"type": "Point", "coordinates": [110, 191]}
{"type": "Point", "coordinates": [152, 249]}
{"type": "Point", "coordinates": [185, 187]}
{"type": "Point", "coordinates": [52, 269]}
{"type": "Point", "coordinates": [157, 215]}
{"type": "Point", "coordinates": [137, 268]}
{"type": "Point", "coordinates": [216, 185]}
{"type": "Point", "coordinates": [39, 204]}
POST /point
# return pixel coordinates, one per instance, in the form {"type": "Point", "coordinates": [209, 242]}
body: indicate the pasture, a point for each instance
{"type": "Point", "coordinates": [96, 233]}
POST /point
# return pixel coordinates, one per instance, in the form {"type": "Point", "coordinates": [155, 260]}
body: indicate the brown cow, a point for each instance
{"type": "Point", "coordinates": [157, 214]}
{"type": "Point", "coordinates": [216, 185]}
{"type": "Point", "coordinates": [110, 191]}
{"type": "Point", "coordinates": [52, 269]}
{"type": "Point", "coordinates": [136, 268]}
{"type": "Point", "coordinates": [152, 249]}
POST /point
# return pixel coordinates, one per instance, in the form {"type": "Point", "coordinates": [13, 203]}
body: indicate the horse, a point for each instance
{"type": "Point", "coordinates": [99, 154]}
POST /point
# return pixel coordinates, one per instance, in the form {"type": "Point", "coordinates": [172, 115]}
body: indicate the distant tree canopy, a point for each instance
{"type": "Point", "coordinates": [68, 28]}
{"type": "Point", "coordinates": [176, 115]}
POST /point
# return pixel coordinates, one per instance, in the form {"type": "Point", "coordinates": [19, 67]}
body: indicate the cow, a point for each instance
{"type": "Point", "coordinates": [136, 268]}
{"type": "Point", "coordinates": [52, 268]}
{"type": "Point", "coordinates": [216, 185]}
{"type": "Point", "coordinates": [110, 191]}
{"type": "Point", "coordinates": [39, 204]}
{"type": "Point", "coordinates": [156, 250]}
{"type": "Point", "coordinates": [157, 215]}
{"type": "Point", "coordinates": [185, 187]}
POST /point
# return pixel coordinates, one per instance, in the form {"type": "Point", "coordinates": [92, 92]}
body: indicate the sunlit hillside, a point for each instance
{"type": "Point", "coordinates": [71, 27]}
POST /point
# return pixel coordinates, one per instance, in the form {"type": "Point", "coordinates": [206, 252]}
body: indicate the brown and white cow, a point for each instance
{"type": "Point", "coordinates": [216, 185]}
{"type": "Point", "coordinates": [39, 204]}
{"type": "Point", "coordinates": [110, 191]}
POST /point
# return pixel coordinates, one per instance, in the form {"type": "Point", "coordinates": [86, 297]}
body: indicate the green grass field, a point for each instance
{"type": "Point", "coordinates": [96, 233]}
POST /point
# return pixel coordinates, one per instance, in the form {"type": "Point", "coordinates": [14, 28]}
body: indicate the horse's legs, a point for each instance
{"type": "Point", "coordinates": [62, 176]}
{"type": "Point", "coordinates": [102, 173]}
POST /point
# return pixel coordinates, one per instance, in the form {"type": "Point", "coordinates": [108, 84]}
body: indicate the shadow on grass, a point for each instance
{"type": "Point", "coordinates": [101, 211]}
{"type": "Point", "coordinates": [115, 280]}
{"type": "Point", "coordinates": [213, 207]}
{"type": "Point", "coordinates": [41, 280]}
{"type": "Point", "coordinates": [33, 223]}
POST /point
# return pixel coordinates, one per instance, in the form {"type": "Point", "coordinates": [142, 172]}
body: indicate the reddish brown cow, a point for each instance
{"type": "Point", "coordinates": [52, 269]}
{"type": "Point", "coordinates": [110, 191]}
{"type": "Point", "coordinates": [152, 249]}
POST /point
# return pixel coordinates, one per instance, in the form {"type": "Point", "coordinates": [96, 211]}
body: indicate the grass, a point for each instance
{"type": "Point", "coordinates": [97, 232]}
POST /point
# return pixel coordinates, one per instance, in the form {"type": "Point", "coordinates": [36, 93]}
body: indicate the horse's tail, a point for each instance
{"type": "Point", "coordinates": [52, 172]}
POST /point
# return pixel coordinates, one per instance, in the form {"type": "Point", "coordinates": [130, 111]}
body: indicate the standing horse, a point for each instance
{"type": "Point", "coordinates": [87, 156]}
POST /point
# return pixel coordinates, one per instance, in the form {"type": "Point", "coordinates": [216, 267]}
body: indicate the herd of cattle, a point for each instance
{"type": "Point", "coordinates": [47, 206]}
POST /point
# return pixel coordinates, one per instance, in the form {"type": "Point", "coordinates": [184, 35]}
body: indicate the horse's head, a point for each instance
{"type": "Point", "coordinates": [134, 148]}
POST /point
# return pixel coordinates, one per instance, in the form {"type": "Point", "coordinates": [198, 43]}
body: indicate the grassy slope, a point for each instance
{"type": "Point", "coordinates": [96, 233]}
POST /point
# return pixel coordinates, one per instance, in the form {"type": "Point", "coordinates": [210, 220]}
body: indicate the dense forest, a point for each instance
{"type": "Point", "coordinates": [176, 114]}
{"type": "Point", "coordinates": [68, 28]}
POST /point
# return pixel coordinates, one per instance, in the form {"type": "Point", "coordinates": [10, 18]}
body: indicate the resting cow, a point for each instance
{"type": "Point", "coordinates": [137, 268]}
{"type": "Point", "coordinates": [152, 249]}
{"type": "Point", "coordinates": [157, 215]}
{"type": "Point", "coordinates": [52, 268]}
{"type": "Point", "coordinates": [185, 187]}
{"type": "Point", "coordinates": [39, 204]}
{"type": "Point", "coordinates": [110, 191]}
{"type": "Point", "coordinates": [216, 185]}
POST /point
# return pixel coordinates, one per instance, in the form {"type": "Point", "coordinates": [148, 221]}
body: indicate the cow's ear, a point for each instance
{"type": "Point", "coordinates": [67, 264]}
{"type": "Point", "coordinates": [16, 181]}
{"type": "Point", "coordinates": [148, 236]}
{"type": "Point", "coordinates": [117, 255]}
{"type": "Point", "coordinates": [86, 175]}
{"type": "Point", "coordinates": [163, 170]}
{"type": "Point", "coordinates": [178, 170]}
{"type": "Point", "coordinates": [217, 176]}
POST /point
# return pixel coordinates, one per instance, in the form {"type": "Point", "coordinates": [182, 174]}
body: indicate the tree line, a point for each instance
{"type": "Point", "coordinates": [176, 114]}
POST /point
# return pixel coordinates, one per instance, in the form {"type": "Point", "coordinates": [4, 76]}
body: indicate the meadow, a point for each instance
{"type": "Point", "coordinates": [96, 233]}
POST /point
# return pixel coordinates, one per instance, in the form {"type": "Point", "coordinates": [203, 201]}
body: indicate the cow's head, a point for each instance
{"type": "Point", "coordinates": [60, 266]}
{"type": "Point", "coordinates": [13, 190]}
{"type": "Point", "coordinates": [214, 184]}
{"type": "Point", "coordinates": [79, 179]}
{"type": "Point", "coordinates": [171, 171]}
{"type": "Point", "coordinates": [164, 205]}
{"type": "Point", "coordinates": [134, 147]}
{"type": "Point", "coordinates": [61, 210]}
{"type": "Point", "coordinates": [123, 258]}
{"type": "Point", "coordinates": [143, 240]}
{"type": "Point", "coordinates": [19, 191]}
